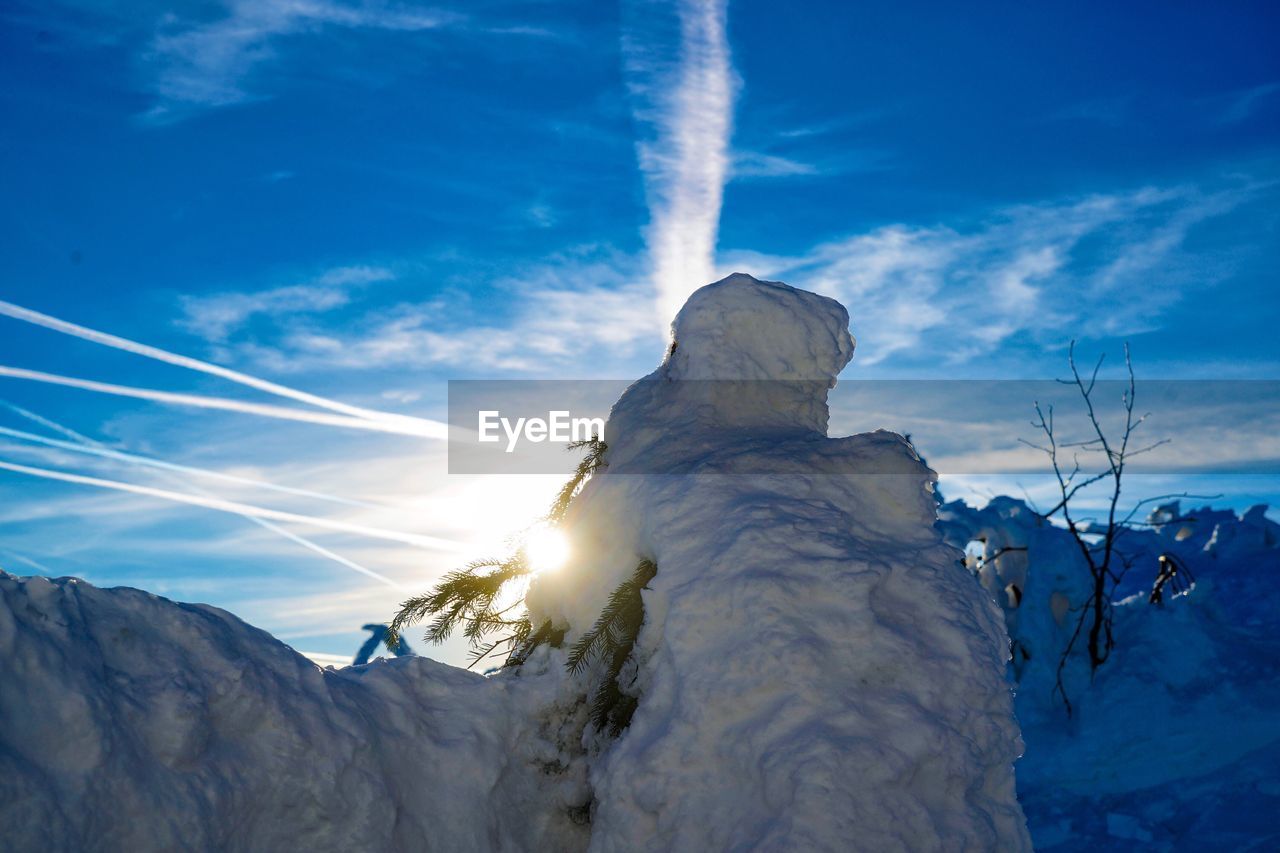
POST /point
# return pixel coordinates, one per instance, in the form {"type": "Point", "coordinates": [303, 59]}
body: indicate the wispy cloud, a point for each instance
{"type": "Point", "coordinates": [207, 63]}
{"type": "Point", "coordinates": [176, 473]}
{"type": "Point", "coordinates": [756, 164]}
{"type": "Point", "coordinates": [384, 421]}
{"type": "Point", "coordinates": [1242, 104]}
{"type": "Point", "coordinates": [950, 293]}
{"type": "Point", "coordinates": [215, 317]}
{"type": "Point", "coordinates": [400, 425]}
{"type": "Point", "coordinates": [236, 508]}
{"type": "Point", "coordinates": [584, 309]}
{"type": "Point", "coordinates": [687, 109]}
{"type": "Point", "coordinates": [160, 464]}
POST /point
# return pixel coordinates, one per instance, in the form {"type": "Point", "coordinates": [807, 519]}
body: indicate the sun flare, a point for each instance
{"type": "Point", "coordinates": [546, 549]}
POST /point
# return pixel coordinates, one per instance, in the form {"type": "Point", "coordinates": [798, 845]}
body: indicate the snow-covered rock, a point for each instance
{"type": "Point", "coordinates": [816, 670]}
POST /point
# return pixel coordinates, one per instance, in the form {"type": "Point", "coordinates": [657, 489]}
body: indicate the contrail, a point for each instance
{"type": "Point", "coordinates": [323, 551]}
{"type": "Point", "coordinates": [17, 312]}
{"type": "Point", "coordinates": [686, 162]}
{"type": "Point", "coordinates": [86, 442]}
{"type": "Point", "coordinates": [43, 569]}
{"type": "Point", "coordinates": [406, 426]}
{"type": "Point", "coordinates": [52, 425]}
{"type": "Point", "coordinates": [80, 446]}
{"type": "Point", "coordinates": [429, 542]}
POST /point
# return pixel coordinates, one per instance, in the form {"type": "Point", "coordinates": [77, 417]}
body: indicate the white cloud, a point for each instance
{"type": "Point", "coordinates": [552, 326]}
{"type": "Point", "coordinates": [585, 310]}
{"type": "Point", "coordinates": [756, 164]}
{"type": "Point", "coordinates": [206, 64]}
{"type": "Point", "coordinates": [216, 317]}
{"type": "Point", "coordinates": [1070, 268]}
{"type": "Point", "coordinates": [1106, 264]}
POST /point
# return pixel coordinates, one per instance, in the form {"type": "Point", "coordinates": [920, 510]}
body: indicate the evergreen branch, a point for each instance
{"type": "Point", "coordinates": [615, 633]}
{"type": "Point", "coordinates": [461, 596]}
{"type": "Point", "coordinates": [593, 461]}
{"type": "Point", "coordinates": [525, 640]}
{"type": "Point", "coordinates": [467, 596]}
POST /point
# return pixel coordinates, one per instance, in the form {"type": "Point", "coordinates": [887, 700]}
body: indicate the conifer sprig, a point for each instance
{"type": "Point", "coordinates": [462, 596]}
{"type": "Point", "coordinates": [614, 636]}
{"type": "Point", "coordinates": [468, 597]}
{"type": "Point", "coordinates": [590, 463]}
{"type": "Point", "coordinates": [525, 640]}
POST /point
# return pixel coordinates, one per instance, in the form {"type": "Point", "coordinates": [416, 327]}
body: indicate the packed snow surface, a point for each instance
{"type": "Point", "coordinates": [816, 669]}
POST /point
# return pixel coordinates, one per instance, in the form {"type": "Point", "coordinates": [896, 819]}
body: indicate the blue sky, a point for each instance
{"type": "Point", "coordinates": [364, 200]}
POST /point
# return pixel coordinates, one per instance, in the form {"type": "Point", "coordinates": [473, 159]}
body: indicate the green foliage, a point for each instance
{"type": "Point", "coordinates": [591, 462]}
{"type": "Point", "coordinates": [614, 637]}
{"type": "Point", "coordinates": [525, 640]}
{"type": "Point", "coordinates": [468, 597]}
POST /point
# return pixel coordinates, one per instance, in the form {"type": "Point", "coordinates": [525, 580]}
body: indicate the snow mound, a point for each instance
{"type": "Point", "coordinates": [131, 722]}
{"type": "Point", "coordinates": [743, 328]}
{"type": "Point", "coordinates": [815, 669]}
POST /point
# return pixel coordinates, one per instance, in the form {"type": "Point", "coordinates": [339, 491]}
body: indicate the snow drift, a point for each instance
{"type": "Point", "coordinates": [1175, 742]}
{"type": "Point", "coordinates": [815, 670]}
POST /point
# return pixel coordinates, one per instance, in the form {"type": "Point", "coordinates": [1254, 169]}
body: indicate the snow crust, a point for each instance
{"type": "Point", "coordinates": [816, 669]}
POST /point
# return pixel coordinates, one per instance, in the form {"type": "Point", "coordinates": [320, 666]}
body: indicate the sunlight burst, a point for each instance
{"type": "Point", "coordinates": [546, 549]}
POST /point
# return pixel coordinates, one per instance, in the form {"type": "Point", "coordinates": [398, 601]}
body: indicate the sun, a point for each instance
{"type": "Point", "coordinates": [546, 549]}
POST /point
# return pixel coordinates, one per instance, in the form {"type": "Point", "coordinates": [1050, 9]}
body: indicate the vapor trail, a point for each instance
{"type": "Point", "coordinates": [80, 446]}
{"type": "Point", "coordinates": [322, 551]}
{"type": "Point", "coordinates": [429, 542]}
{"type": "Point", "coordinates": [66, 431]}
{"type": "Point", "coordinates": [86, 442]}
{"type": "Point", "coordinates": [406, 426]}
{"type": "Point", "coordinates": [27, 561]}
{"type": "Point", "coordinates": [689, 110]}
{"type": "Point", "coordinates": [17, 312]}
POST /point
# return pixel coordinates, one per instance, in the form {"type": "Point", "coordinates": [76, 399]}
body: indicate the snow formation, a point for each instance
{"type": "Point", "coordinates": [816, 670]}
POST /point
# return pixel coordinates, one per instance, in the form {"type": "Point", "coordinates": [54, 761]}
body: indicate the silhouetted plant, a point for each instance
{"type": "Point", "coordinates": [469, 597]}
{"type": "Point", "coordinates": [614, 637]}
{"type": "Point", "coordinates": [591, 462]}
{"type": "Point", "coordinates": [1174, 574]}
{"type": "Point", "coordinates": [1097, 543]}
